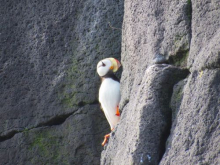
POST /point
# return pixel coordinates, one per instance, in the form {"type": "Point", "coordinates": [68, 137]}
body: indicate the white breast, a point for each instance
{"type": "Point", "coordinates": [109, 97]}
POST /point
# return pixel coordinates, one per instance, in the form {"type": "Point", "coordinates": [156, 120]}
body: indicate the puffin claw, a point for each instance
{"type": "Point", "coordinates": [105, 139]}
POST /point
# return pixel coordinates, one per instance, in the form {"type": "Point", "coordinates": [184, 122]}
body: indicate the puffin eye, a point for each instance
{"type": "Point", "coordinates": [103, 64]}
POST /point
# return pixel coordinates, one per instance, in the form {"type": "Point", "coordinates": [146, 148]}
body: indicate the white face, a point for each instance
{"type": "Point", "coordinates": [103, 67]}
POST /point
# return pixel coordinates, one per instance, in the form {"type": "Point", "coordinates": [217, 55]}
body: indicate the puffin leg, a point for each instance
{"type": "Point", "coordinates": [117, 111]}
{"type": "Point", "coordinates": [105, 139]}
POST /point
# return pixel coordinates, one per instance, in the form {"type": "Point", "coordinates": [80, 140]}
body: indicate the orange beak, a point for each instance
{"type": "Point", "coordinates": [118, 63]}
{"type": "Point", "coordinates": [115, 64]}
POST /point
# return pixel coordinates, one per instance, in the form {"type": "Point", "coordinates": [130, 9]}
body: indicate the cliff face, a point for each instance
{"type": "Point", "coordinates": [170, 84]}
{"type": "Point", "coordinates": [49, 112]}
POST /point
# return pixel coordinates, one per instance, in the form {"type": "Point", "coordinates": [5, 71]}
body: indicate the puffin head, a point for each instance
{"type": "Point", "coordinates": [106, 65]}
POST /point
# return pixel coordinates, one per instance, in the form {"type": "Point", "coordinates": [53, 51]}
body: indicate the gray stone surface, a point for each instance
{"type": "Point", "coordinates": [152, 28]}
{"type": "Point", "coordinates": [145, 122]}
{"type": "Point", "coordinates": [177, 96]}
{"type": "Point", "coordinates": [48, 55]}
{"type": "Point", "coordinates": [195, 133]}
{"type": "Point", "coordinates": [180, 33]}
{"type": "Point", "coordinates": [76, 141]}
{"type": "Point", "coordinates": [49, 113]}
{"type": "Point", "coordinates": [205, 49]}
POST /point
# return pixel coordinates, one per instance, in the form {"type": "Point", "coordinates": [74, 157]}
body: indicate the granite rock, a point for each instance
{"type": "Point", "coordinates": [195, 133]}
{"type": "Point", "coordinates": [146, 119]}
{"type": "Point", "coordinates": [194, 137]}
{"type": "Point", "coordinates": [180, 33]}
{"type": "Point", "coordinates": [205, 50]}
{"type": "Point", "coordinates": [48, 55]}
{"type": "Point", "coordinates": [170, 53]}
{"type": "Point", "coordinates": [74, 141]}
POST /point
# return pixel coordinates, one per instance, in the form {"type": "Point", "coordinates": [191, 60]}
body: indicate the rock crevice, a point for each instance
{"type": "Point", "coordinates": [146, 119]}
{"type": "Point", "coordinates": [170, 53]}
{"type": "Point", "coordinates": [48, 55]}
{"type": "Point", "coordinates": [184, 34]}
{"type": "Point", "coordinates": [57, 120]}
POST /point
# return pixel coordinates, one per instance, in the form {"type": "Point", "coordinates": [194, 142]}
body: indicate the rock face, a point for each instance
{"type": "Point", "coordinates": [195, 133]}
{"type": "Point", "coordinates": [49, 113]}
{"type": "Point", "coordinates": [71, 142]}
{"type": "Point", "coordinates": [194, 137]}
{"type": "Point", "coordinates": [170, 84]}
{"type": "Point", "coordinates": [145, 122]}
{"type": "Point", "coordinates": [180, 33]}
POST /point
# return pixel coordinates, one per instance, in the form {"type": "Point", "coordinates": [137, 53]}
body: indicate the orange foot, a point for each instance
{"type": "Point", "coordinates": [105, 139]}
{"type": "Point", "coordinates": [117, 111]}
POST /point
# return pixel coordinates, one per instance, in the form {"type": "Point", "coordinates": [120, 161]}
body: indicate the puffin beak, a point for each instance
{"type": "Point", "coordinates": [115, 64]}
{"type": "Point", "coordinates": [118, 63]}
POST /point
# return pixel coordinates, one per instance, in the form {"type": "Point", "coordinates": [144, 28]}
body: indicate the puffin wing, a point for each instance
{"type": "Point", "coordinates": [109, 97]}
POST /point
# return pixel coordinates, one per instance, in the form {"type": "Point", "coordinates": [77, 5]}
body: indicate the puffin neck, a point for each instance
{"type": "Point", "coordinates": [110, 75]}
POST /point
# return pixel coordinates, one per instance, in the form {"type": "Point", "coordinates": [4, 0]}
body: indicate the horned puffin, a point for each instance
{"type": "Point", "coordinates": [109, 91]}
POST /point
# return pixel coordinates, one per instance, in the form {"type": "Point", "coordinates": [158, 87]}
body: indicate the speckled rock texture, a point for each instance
{"type": "Point", "coordinates": [170, 83]}
{"type": "Point", "coordinates": [195, 133]}
{"type": "Point", "coordinates": [205, 51]}
{"type": "Point", "coordinates": [74, 141]}
{"type": "Point", "coordinates": [140, 137]}
{"type": "Point", "coordinates": [49, 112]}
{"type": "Point", "coordinates": [169, 117]}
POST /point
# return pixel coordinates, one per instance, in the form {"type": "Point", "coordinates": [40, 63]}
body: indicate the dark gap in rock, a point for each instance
{"type": "Point", "coordinates": [168, 116]}
{"type": "Point", "coordinates": [180, 59]}
{"type": "Point", "coordinates": [177, 97]}
{"type": "Point", "coordinates": [8, 136]}
{"type": "Point", "coordinates": [125, 102]}
{"type": "Point", "coordinates": [82, 103]}
{"type": "Point", "coordinates": [54, 121]}
{"type": "Point", "coordinates": [189, 18]}
{"type": "Point", "coordinates": [212, 66]}
{"type": "Point", "coordinates": [164, 136]}
{"type": "Point", "coordinates": [57, 120]}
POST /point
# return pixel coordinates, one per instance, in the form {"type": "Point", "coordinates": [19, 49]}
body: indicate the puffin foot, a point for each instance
{"type": "Point", "coordinates": [117, 111]}
{"type": "Point", "coordinates": [105, 139]}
